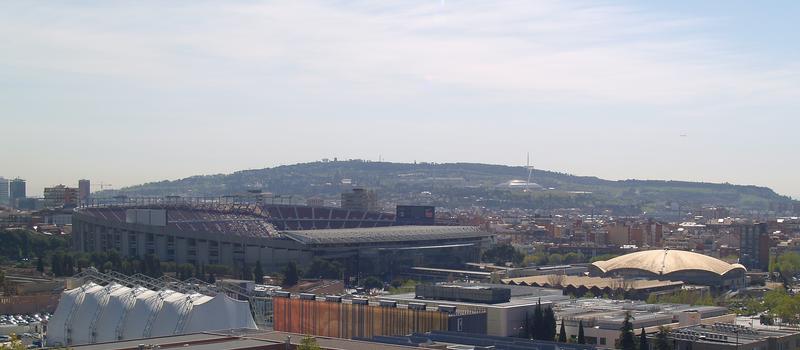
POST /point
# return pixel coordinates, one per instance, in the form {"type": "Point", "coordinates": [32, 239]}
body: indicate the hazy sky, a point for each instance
{"type": "Point", "coordinates": [129, 92]}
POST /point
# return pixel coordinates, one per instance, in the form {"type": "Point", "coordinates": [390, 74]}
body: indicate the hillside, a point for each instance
{"type": "Point", "coordinates": [466, 184]}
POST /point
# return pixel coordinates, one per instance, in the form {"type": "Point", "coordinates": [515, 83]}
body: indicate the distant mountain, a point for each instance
{"type": "Point", "coordinates": [466, 184]}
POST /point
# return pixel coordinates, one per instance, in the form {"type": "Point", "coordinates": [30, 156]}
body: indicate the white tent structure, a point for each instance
{"type": "Point", "coordinates": [93, 314]}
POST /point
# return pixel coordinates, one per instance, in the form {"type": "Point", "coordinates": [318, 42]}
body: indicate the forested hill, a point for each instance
{"type": "Point", "coordinates": [454, 184]}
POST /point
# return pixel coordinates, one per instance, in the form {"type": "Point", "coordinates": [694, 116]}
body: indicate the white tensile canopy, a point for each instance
{"type": "Point", "coordinates": [94, 314]}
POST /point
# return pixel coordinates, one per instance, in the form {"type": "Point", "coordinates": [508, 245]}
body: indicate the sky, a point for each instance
{"type": "Point", "coordinates": [130, 92]}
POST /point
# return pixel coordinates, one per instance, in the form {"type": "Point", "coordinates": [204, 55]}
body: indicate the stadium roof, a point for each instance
{"type": "Point", "coordinates": [386, 234]}
{"type": "Point", "coordinates": [666, 261]}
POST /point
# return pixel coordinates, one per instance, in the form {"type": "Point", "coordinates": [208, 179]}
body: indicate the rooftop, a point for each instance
{"type": "Point", "coordinates": [727, 333]}
{"type": "Point", "coordinates": [666, 261]}
{"type": "Point", "coordinates": [238, 339]}
{"type": "Point", "coordinates": [386, 234]}
{"type": "Point", "coordinates": [590, 282]}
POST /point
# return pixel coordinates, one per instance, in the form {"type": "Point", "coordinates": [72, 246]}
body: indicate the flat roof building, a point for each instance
{"type": "Point", "coordinates": [722, 336]}
{"type": "Point", "coordinates": [598, 286]}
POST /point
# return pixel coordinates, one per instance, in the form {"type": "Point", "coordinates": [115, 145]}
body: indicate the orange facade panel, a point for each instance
{"type": "Point", "coordinates": [341, 320]}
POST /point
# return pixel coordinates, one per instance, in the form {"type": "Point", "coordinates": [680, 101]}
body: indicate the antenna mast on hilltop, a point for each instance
{"type": "Point", "coordinates": [530, 173]}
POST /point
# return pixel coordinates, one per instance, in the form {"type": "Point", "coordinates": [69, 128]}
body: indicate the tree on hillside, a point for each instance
{"type": "Point", "coordinates": [581, 337]}
{"type": "Point", "coordinates": [290, 274]}
{"type": "Point", "coordinates": [627, 338]}
{"type": "Point", "coordinates": [258, 273]}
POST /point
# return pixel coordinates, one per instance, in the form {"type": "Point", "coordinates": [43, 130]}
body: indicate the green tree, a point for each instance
{"type": "Point", "coordinates": [627, 338]}
{"type": "Point", "coordinates": [309, 343]}
{"type": "Point", "coordinates": [788, 264]}
{"type": "Point", "coordinates": [211, 278]}
{"type": "Point", "coordinates": [581, 336]}
{"type": "Point", "coordinates": [549, 323]}
{"type": "Point", "coordinates": [258, 273]}
{"type": "Point", "coordinates": [643, 341]}
{"type": "Point", "coordinates": [662, 339]}
{"type": "Point", "coordinates": [321, 268]}
{"type": "Point", "coordinates": [372, 282]}
{"type": "Point", "coordinates": [185, 271]}
{"type": "Point", "coordinates": [555, 259]}
{"type": "Point", "coordinates": [290, 274]}
{"type": "Point", "coordinates": [535, 259]}
{"type": "Point", "coordinates": [57, 264]}
{"type": "Point", "coordinates": [537, 324]}
{"type": "Point", "coordinates": [503, 253]}
{"type": "Point", "coordinates": [14, 343]}
{"type": "Point", "coordinates": [562, 333]}
{"type": "Point", "coordinates": [40, 264]}
{"type": "Point", "coordinates": [107, 266]}
{"type": "Point", "coordinates": [246, 273]}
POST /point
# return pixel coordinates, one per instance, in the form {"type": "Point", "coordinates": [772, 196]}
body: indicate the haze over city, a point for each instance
{"type": "Point", "coordinates": [616, 89]}
{"type": "Point", "coordinates": [400, 174]}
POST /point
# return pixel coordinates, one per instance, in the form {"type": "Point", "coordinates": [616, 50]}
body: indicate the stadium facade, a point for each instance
{"type": "Point", "coordinates": [274, 234]}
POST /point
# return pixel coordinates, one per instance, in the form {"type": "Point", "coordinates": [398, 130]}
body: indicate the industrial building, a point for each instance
{"type": "Point", "coordinates": [333, 316]}
{"type": "Point", "coordinates": [602, 318]}
{"type": "Point", "coordinates": [504, 319]}
{"type": "Point", "coordinates": [722, 336]}
{"type": "Point", "coordinates": [598, 286]}
{"type": "Point", "coordinates": [673, 265]}
{"type": "Point", "coordinates": [272, 234]}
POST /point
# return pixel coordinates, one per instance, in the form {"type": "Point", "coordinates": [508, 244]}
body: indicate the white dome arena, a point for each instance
{"type": "Point", "coordinates": [94, 314]}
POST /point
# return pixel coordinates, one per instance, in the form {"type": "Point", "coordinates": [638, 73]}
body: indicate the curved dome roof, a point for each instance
{"type": "Point", "coordinates": [666, 261]}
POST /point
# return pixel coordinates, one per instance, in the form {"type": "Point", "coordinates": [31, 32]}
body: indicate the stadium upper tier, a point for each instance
{"type": "Point", "coordinates": [94, 314]}
{"type": "Point", "coordinates": [262, 220]}
{"type": "Point", "coordinates": [194, 220]}
{"type": "Point", "coordinates": [387, 234]}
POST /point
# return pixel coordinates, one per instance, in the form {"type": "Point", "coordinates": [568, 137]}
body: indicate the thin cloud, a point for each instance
{"type": "Point", "coordinates": [543, 51]}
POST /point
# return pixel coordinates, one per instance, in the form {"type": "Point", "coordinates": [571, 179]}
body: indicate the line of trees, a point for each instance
{"type": "Point", "coordinates": [542, 324]}
{"type": "Point", "coordinates": [627, 338]}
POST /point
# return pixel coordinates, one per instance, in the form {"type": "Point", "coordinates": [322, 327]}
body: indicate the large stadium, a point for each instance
{"type": "Point", "coordinates": [219, 232]}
